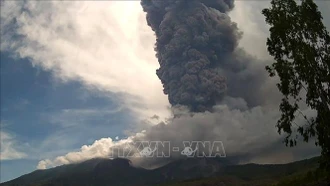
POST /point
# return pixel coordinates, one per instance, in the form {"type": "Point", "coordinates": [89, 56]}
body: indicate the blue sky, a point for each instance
{"type": "Point", "coordinates": [47, 117]}
{"type": "Point", "coordinates": [85, 71]}
{"type": "Point", "coordinates": [71, 81]}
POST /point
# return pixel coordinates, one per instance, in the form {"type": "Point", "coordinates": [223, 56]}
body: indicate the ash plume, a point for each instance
{"type": "Point", "coordinates": [195, 42]}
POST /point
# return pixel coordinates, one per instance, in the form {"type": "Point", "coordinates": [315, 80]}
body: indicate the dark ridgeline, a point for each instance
{"type": "Point", "coordinates": [194, 39]}
{"type": "Point", "coordinates": [119, 172]}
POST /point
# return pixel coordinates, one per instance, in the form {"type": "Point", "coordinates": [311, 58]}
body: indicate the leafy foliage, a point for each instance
{"type": "Point", "coordinates": [300, 45]}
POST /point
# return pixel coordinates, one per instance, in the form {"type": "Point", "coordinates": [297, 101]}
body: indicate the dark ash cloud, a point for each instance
{"type": "Point", "coordinates": [196, 46]}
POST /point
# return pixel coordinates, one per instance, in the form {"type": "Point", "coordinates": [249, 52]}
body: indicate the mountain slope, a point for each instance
{"type": "Point", "coordinates": [91, 172]}
{"type": "Point", "coordinates": [119, 172]}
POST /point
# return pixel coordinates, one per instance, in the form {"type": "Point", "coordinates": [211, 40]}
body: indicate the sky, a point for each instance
{"type": "Point", "coordinates": [76, 74]}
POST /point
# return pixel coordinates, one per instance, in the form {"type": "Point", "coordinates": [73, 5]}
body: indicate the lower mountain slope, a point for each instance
{"type": "Point", "coordinates": [192, 172]}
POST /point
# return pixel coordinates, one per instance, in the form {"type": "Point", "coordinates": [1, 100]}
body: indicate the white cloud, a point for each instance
{"type": "Point", "coordinates": [107, 45]}
{"type": "Point", "coordinates": [9, 147]}
{"type": "Point", "coordinates": [248, 16]}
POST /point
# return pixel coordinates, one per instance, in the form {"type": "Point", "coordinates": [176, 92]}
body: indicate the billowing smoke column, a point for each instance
{"type": "Point", "coordinates": [194, 37]}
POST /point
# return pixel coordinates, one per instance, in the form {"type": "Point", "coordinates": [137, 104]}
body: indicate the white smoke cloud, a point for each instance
{"type": "Point", "coordinates": [99, 149]}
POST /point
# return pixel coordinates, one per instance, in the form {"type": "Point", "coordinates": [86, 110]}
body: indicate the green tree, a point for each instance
{"type": "Point", "coordinates": [300, 45]}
